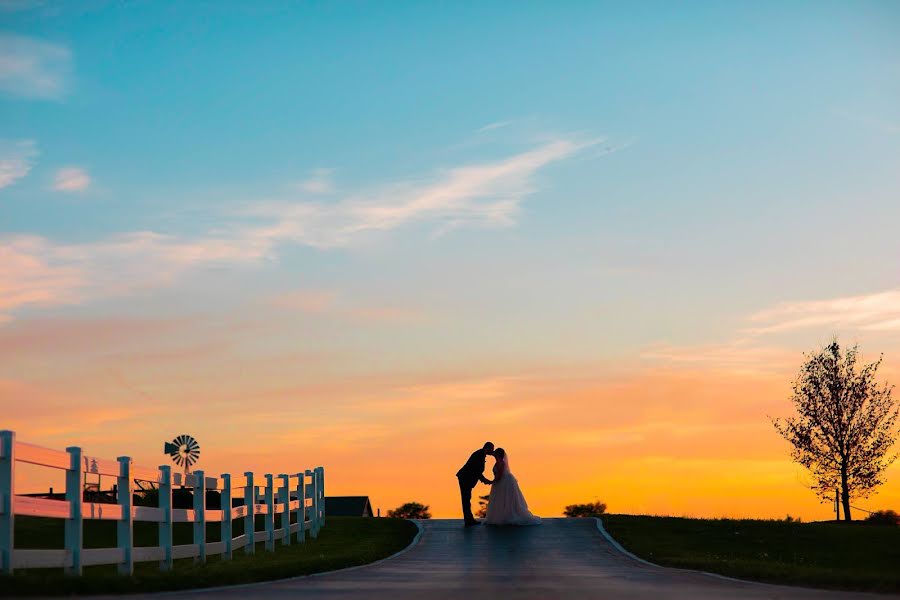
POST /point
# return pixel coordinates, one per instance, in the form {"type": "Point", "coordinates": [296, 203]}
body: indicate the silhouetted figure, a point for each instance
{"type": "Point", "coordinates": [507, 505]}
{"type": "Point", "coordinates": [471, 473]}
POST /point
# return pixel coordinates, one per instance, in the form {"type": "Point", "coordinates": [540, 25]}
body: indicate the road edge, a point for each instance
{"type": "Point", "coordinates": [612, 542]}
{"type": "Point", "coordinates": [410, 546]}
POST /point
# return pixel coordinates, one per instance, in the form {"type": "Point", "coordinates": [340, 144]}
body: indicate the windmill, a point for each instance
{"type": "Point", "coordinates": [184, 450]}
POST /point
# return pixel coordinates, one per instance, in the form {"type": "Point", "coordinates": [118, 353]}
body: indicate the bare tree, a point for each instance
{"type": "Point", "coordinates": [844, 427]}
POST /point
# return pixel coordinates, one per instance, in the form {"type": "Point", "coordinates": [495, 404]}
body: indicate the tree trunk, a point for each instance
{"type": "Point", "coordinates": [845, 493]}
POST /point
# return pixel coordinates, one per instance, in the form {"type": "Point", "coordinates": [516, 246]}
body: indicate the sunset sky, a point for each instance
{"type": "Point", "coordinates": [371, 236]}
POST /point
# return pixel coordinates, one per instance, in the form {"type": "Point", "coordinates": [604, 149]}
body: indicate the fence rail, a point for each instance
{"type": "Point", "coordinates": [300, 494]}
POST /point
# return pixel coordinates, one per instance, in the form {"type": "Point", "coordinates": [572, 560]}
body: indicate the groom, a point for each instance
{"type": "Point", "coordinates": [471, 473]}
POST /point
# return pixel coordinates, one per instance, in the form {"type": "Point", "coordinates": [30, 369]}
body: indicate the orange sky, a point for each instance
{"type": "Point", "coordinates": [661, 440]}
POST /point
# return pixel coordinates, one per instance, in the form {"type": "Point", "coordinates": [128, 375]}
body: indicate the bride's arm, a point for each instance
{"type": "Point", "coordinates": [498, 471]}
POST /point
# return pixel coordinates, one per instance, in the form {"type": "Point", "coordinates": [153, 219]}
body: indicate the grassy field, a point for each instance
{"type": "Point", "coordinates": [343, 542]}
{"type": "Point", "coordinates": [828, 555]}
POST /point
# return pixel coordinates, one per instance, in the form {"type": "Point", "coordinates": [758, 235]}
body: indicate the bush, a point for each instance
{"type": "Point", "coordinates": [481, 513]}
{"type": "Point", "coordinates": [410, 510]}
{"type": "Point", "coordinates": [884, 517]}
{"type": "Point", "coordinates": [591, 509]}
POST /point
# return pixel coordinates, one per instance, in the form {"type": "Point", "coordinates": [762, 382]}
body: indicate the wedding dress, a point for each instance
{"type": "Point", "coordinates": [507, 505]}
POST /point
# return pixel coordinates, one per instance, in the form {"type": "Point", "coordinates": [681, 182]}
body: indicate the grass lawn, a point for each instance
{"type": "Point", "coordinates": [829, 555]}
{"type": "Point", "coordinates": [343, 542]}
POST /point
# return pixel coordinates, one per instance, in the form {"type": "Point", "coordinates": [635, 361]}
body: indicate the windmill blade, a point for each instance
{"type": "Point", "coordinates": [184, 450]}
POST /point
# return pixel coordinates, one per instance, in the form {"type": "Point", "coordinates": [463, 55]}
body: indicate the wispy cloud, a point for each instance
{"type": "Point", "coordinates": [753, 349]}
{"type": "Point", "coordinates": [27, 277]}
{"type": "Point", "coordinates": [38, 272]}
{"type": "Point", "coordinates": [492, 126]}
{"type": "Point", "coordinates": [34, 271]}
{"type": "Point", "coordinates": [879, 311]}
{"type": "Point", "coordinates": [318, 182]}
{"type": "Point", "coordinates": [16, 159]}
{"type": "Point", "coordinates": [71, 179]}
{"type": "Point", "coordinates": [486, 194]}
{"type": "Point", "coordinates": [33, 68]}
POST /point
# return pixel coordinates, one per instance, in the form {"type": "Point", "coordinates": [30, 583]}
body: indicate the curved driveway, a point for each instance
{"type": "Point", "coordinates": [563, 558]}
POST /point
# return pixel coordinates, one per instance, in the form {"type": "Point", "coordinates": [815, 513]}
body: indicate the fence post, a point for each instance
{"type": "Point", "coordinates": [313, 509]}
{"type": "Point", "coordinates": [125, 526]}
{"type": "Point", "coordinates": [270, 514]}
{"type": "Point", "coordinates": [74, 532]}
{"type": "Point", "coordinates": [285, 493]}
{"type": "Point", "coordinates": [301, 512]}
{"type": "Point", "coordinates": [165, 526]}
{"type": "Point", "coordinates": [226, 530]}
{"type": "Point", "coordinates": [200, 515]}
{"type": "Point", "coordinates": [7, 499]}
{"type": "Point", "coordinates": [322, 496]}
{"type": "Point", "coordinates": [250, 517]}
{"type": "Point", "coordinates": [318, 513]}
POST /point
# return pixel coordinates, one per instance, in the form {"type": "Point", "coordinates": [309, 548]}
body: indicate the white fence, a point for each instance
{"type": "Point", "coordinates": [301, 494]}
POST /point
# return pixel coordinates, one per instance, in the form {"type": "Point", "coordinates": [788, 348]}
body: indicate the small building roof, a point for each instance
{"type": "Point", "coordinates": [348, 506]}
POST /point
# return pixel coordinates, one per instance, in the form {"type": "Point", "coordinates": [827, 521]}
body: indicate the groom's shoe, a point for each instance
{"type": "Point", "coordinates": [471, 523]}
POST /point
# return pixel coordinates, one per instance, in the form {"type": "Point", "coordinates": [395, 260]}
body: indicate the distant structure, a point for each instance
{"type": "Point", "coordinates": [184, 450]}
{"type": "Point", "coordinates": [348, 506]}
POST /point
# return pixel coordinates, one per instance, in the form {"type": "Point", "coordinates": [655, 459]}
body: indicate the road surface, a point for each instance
{"type": "Point", "coordinates": [563, 558]}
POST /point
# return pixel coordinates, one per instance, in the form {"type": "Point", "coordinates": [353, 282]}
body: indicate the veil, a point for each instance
{"type": "Point", "coordinates": [505, 462]}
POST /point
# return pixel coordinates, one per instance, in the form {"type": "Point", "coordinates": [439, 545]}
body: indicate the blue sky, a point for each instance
{"type": "Point", "coordinates": [442, 190]}
{"type": "Point", "coordinates": [717, 145]}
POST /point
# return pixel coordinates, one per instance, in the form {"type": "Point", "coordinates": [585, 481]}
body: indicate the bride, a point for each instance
{"type": "Point", "coordinates": [507, 505]}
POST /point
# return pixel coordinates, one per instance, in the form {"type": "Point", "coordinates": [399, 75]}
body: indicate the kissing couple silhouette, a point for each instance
{"type": "Point", "coordinates": [506, 505]}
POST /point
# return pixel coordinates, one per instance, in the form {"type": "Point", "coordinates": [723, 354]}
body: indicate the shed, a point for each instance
{"type": "Point", "coordinates": [348, 506]}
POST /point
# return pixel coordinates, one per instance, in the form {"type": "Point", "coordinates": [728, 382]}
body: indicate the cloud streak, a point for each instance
{"type": "Point", "coordinates": [879, 311]}
{"type": "Point", "coordinates": [33, 68]}
{"type": "Point", "coordinates": [487, 194]}
{"type": "Point", "coordinates": [71, 179]}
{"type": "Point", "coordinates": [16, 160]}
{"type": "Point", "coordinates": [35, 271]}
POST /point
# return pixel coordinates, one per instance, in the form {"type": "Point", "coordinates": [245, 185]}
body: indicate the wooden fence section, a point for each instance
{"type": "Point", "coordinates": [301, 494]}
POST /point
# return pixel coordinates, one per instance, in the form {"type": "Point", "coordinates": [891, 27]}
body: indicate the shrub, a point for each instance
{"type": "Point", "coordinates": [884, 517]}
{"type": "Point", "coordinates": [591, 509]}
{"type": "Point", "coordinates": [482, 506]}
{"type": "Point", "coordinates": [410, 510]}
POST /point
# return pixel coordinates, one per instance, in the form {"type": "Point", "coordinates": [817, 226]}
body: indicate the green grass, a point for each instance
{"type": "Point", "coordinates": [828, 555]}
{"type": "Point", "coordinates": [343, 542]}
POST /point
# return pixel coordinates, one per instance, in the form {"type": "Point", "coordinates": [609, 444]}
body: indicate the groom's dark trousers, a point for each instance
{"type": "Point", "coordinates": [465, 491]}
{"type": "Point", "coordinates": [468, 477]}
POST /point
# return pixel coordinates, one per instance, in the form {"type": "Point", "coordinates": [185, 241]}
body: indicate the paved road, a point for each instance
{"type": "Point", "coordinates": [563, 558]}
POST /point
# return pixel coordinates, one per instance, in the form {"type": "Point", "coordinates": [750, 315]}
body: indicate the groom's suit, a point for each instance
{"type": "Point", "coordinates": [471, 473]}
